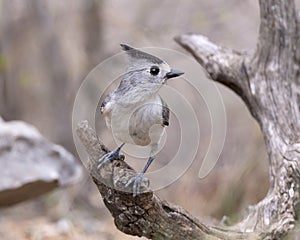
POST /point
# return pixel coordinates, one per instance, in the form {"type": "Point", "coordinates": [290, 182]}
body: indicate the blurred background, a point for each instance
{"type": "Point", "coordinates": [48, 47]}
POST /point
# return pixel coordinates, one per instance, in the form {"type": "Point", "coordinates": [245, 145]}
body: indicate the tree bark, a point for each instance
{"type": "Point", "coordinates": [145, 215]}
{"type": "Point", "coordinates": [268, 82]}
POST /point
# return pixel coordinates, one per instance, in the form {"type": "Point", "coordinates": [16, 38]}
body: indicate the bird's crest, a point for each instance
{"type": "Point", "coordinates": [139, 55]}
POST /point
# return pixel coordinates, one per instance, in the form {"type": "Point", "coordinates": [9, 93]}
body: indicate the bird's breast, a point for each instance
{"type": "Point", "coordinates": [139, 124]}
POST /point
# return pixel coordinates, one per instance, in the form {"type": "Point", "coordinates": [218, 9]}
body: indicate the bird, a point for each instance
{"type": "Point", "coordinates": [134, 111]}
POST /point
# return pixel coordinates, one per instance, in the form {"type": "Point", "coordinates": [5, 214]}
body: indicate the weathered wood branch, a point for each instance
{"type": "Point", "coordinates": [145, 215]}
{"type": "Point", "coordinates": [221, 64]}
{"type": "Point", "coordinates": [268, 82]}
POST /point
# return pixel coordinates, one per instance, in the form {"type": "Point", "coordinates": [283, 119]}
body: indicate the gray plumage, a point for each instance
{"type": "Point", "coordinates": [134, 108]}
{"type": "Point", "coordinates": [134, 111]}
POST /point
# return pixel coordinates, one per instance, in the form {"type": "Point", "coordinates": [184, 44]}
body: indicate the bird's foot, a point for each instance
{"type": "Point", "coordinates": [137, 182]}
{"type": "Point", "coordinates": [115, 154]}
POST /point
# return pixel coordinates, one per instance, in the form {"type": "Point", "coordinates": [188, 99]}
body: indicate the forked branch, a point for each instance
{"type": "Point", "coordinates": [268, 82]}
{"type": "Point", "coordinates": [145, 215]}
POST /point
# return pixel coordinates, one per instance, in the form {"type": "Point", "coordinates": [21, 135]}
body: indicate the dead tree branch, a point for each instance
{"type": "Point", "coordinates": [145, 215]}
{"type": "Point", "coordinates": [268, 82]}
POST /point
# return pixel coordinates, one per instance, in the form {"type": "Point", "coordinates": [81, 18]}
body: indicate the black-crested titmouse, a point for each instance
{"type": "Point", "coordinates": [134, 111]}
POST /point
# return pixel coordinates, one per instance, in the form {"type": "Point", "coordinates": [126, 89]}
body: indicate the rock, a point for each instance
{"type": "Point", "coordinates": [30, 165]}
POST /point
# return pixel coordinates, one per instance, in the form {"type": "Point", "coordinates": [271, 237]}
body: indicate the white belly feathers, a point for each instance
{"type": "Point", "coordinates": [138, 124]}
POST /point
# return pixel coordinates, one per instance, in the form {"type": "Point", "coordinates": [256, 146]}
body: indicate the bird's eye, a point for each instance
{"type": "Point", "coordinates": [154, 70]}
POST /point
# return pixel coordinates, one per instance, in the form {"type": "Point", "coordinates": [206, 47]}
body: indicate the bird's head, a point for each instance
{"type": "Point", "coordinates": [146, 71]}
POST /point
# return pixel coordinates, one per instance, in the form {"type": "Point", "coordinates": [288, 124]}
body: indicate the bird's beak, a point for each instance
{"type": "Point", "coordinates": [173, 73]}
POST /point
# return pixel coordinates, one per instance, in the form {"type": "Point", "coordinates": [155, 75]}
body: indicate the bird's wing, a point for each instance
{"type": "Point", "coordinates": [105, 109]}
{"type": "Point", "coordinates": [165, 113]}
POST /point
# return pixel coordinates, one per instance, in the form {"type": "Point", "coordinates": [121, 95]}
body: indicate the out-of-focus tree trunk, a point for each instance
{"type": "Point", "coordinates": [46, 50]}
{"type": "Point", "coordinates": [92, 27]}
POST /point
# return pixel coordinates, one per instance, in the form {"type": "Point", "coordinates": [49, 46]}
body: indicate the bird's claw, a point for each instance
{"type": "Point", "coordinates": [115, 154]}
{"type": "Point", "coordinates": [137, 181]}
{"type": "Point", "coordinates": [104, 159]}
